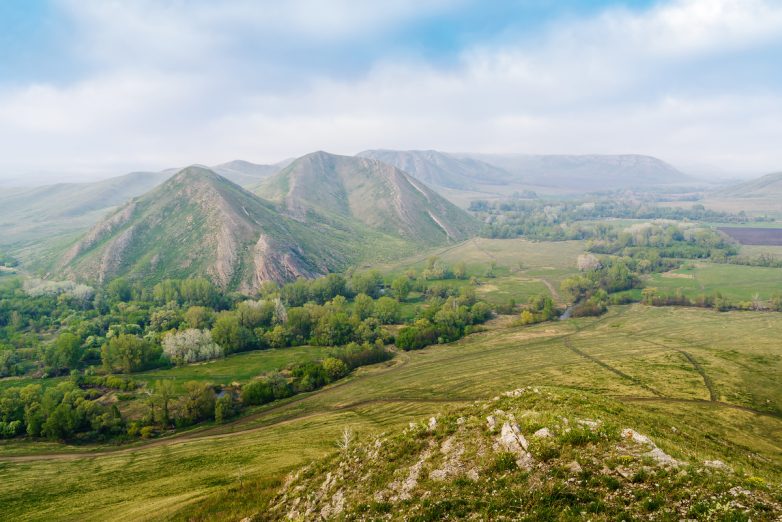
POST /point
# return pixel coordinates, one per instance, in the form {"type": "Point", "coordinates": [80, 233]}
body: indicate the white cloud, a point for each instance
{"type": "Point", "coordinates": [171, 85]}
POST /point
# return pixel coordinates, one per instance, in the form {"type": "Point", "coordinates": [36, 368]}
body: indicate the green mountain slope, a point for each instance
{"type": "Point", "coordinates": [37, 213]}
{"type": "Point", "coordinates": [438, 169]}
{"type": "Point", "coordinates": [322, 186]}
{"type": "Point", "coordinates": [769, 185]}
{"type": "Point", "coordinates": [199, 223]}
{"type": "Point", "coordinates": [531, 454]}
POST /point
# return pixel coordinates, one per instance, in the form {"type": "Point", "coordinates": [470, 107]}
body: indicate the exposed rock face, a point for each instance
{"type": "Point", "coordinates": [655, 453]}
{"type": "Point", "coordinates": [113, 254]}
{"type": "Point", "coordinates": [278, 262]}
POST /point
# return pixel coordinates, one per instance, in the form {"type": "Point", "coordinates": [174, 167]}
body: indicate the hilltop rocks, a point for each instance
{"type": "Point", "coordinates": [654, 453]}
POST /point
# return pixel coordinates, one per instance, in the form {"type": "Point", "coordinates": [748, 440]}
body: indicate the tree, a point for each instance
{"type": "Point", "coordinates": [198, 402]}
{"type": "Point", "coordinates": [255, 313]}
{"type": "Point", "coordinates": [363, 306]}
{"type": "Point", "coordinates": [460, 270]}
{"type": "Point", "coordinates": [527, 317]}
{"type": "Point", "coordinates": [191, 345]}
{"type": "Point", "coordinates": [65, 352]}
{"type": "Point", "coordinates": [387, 310]}
{"type": "Point", "coordinates": [119, 290]}
{"type": "Point", "coordinates": [333, 329]}
{"type": "Point", "coordinates": [335, 369]}
{"type": "Point", "coordinates": [231, 335]}
{"type": "Point", "coordinates": [368, 283]}
{"type": "Point", "coordinates": [401, 288]}
{"type": "Point", "coordinates": [163, 395]}
{"type": "Point", "coordinates": [199, 317]}
{"type": "Point", "coordinates": [128, 353]}
{"type": "Point", "coordinates": [224, 408]}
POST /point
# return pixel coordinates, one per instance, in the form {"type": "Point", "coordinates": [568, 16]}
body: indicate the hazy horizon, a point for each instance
{"type": "Point", "coordinates": [94, 90]}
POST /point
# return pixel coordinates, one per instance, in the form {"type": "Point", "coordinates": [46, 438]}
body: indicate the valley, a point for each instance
{"type": "Point", "coordinates": [205, 340]}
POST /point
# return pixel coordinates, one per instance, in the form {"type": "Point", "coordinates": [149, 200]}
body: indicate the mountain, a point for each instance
{"type": "Point", "coordinates": [322, 186]}
{"type": "Point", "coordinates": [586, 173]}
{"type": "Point", "coordinates": [530, 454]}
{"type": "Point", "coordinates": [199, 223]}
{"type": "Point", "coordinates": [768, 186]}
{"type": "Point", "coordinates": [43, 213]}
{"type": "Point", "coordinates": [245, 174]}
{"type": "Point", "coordinates": [438, 169]}
{"type": "Point", "coordinates": [28, 214]}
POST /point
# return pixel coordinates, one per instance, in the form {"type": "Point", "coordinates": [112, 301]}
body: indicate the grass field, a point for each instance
{"type": "Point", "coordinates": [714, 377]}
{"type": "Point", "coordinates": [237, 368]}
{"type": "Point", "coordinates": [522, 268]}
{"type": "Point", "coordinates": [736, 282]}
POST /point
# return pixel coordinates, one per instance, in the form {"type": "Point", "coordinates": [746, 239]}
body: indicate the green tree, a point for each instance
{"type": "Point", "coordinates": [129, 353]}
{"type": "Point", "coordinates": [198, 402]}
{"type": "Point", "coordinates": [199, 317]}
{"type": "Point", "coordinates": [229, 333]}
{"type": "Point", "coordinates": [401, 287]}
{"type": "Point", "coordinates": [164, 394]}
{"type": "Point", "coordinates": [334, 368]}
{"type": "Point", "coordinates": [65, 352]}
{"type": "Point", "coordinates": [363, 306]}
{"type": "Point", "coordinates": [387, 310]}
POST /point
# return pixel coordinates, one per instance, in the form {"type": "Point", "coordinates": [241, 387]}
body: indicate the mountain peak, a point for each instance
{"type": "Point", "coordinates": [195, 173]}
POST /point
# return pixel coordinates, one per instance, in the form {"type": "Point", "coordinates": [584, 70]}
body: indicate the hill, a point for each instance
{"type": "Point", "coordinates": [36, 215]}
{"type": "Point", "coordinates": [246, 174]}
{"type": "Point", "coordinates": [586, 173]}
{"type": "Point", "coordinates": [530, 454]}
{"type": "Point", "coordinates": [344, 189]}
{"type": "Point", "coordinates": [767, 186]}
{"type": "Point", "coordinates": [199, 223]}
{"type": "Point", "coordinates": [42, 212]}
{"type": "Point", "coordinates": [438, 169]}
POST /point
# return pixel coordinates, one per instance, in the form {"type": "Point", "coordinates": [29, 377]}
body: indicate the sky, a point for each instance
{"type": "Point", "coordinates": [94, 88]}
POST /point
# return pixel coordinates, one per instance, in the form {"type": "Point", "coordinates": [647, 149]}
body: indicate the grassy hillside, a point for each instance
{"type": "Point", "coordinates": [702, 385]}
{"type": "Point", "coordinates": [769, 185]}
{"type": "Point", "coordinates": [35, 214]}
{"type": "Point", "coordinates": [531, 454]}
{"type": "Point", "coordinates": [198, 223]}
{"type": "Point", "coordinates": [322, 186]}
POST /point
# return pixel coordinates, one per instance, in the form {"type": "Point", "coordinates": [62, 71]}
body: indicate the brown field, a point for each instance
{"type": "Point", "coordinates": [754, 236]}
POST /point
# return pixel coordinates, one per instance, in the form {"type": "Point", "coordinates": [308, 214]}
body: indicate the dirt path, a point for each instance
{"type": "Point", "coordinates": [610, 368]}
{"type": "Point", "coordinates": [554, 293]}
{"type": "Point", "coordinates": [713, 395]}
{"type": "Point", "coordinates": [702, 402]}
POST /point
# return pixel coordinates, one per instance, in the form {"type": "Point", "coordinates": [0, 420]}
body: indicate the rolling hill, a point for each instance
{"type": "Point", "coordinates": [199, 223]}
{"type": "Point", "coordinates": [767, 186]}
{"type": "Point", "coordinates": [439, 169]}
{"type": "Point", "coordinates": [586, 173]}
{"type": "Point", "coordinates": [343, 189]}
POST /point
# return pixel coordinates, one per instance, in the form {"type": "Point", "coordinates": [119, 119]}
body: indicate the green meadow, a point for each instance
{"type": "Point", "coordinates": [736, 282]}
{"type": "Point", "coordinates": [706, 383]}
